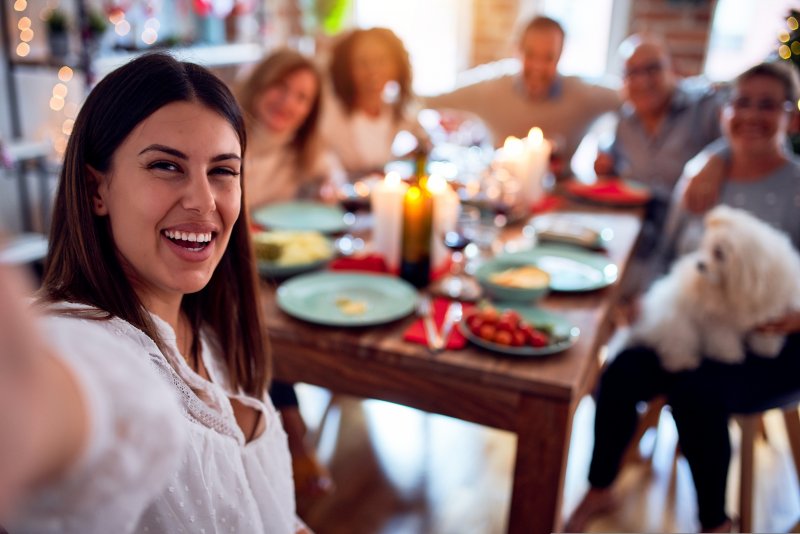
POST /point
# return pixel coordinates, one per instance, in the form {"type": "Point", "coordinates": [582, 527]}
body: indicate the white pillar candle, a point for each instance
{"type": "Point", "coordinates": [513, 157]}
{"type": "Point", "coordinates": [537, 150]}
{"type": "Point", "coordinates": [445, 213]}
{"type": "Point", "coordinates": [387, 211]}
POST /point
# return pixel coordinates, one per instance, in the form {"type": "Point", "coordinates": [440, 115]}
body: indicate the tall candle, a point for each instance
{"type": "Point", "coordinates": [513, 157]}
{"type": "Point", "coordinates": [387, 209]}
{"type": "Point", "coordinates": [537, 149]}
{"type": "Point", "coordinates": [445, 212]}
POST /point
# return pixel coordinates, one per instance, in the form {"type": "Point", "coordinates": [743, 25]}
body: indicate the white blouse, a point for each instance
{"type": "Point", "coordinates": [165, 453]}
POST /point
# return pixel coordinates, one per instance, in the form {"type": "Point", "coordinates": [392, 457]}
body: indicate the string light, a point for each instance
{"type": "Point", "coordinates": [122, 27]}
{"type": "Point", "coordinates": [792, 22]}
{"type": "Point", "coordinates": [25, 31]}
{"type": "Point", "coordinates": [65, 74]}
{"type": "Point", "coordinates": [66, 128]}
{"type": "Point", "coordinates": [60, 90]}
{"type": "Point", "coordinates": [784, 52]}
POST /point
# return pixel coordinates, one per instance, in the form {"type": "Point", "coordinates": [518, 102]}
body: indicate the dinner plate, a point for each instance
{"type": "Point", "coordinates": [571, 269]}
{"type": "Point", "coordinates": [571, 229]}
{"type": "Point", "coordinates": [562, 329]}
{"type": "Point", "coordinates": [276, 270]}
{"type": "Point", "coordinates": [301, 215]}
{"type": "Point", "coordinates": [610, 192]}
{"type": "Point", "coordinates": [347, 299]}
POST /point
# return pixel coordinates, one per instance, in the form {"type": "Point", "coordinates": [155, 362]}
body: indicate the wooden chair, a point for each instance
{"type": "Point", "coordinates": [752, 427]}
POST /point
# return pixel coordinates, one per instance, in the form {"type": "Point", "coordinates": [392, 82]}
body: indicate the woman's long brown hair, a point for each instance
{"type": "Point", "coordinates": [82, 264]}
{"type": "Point", "coordinates": [273, 70]}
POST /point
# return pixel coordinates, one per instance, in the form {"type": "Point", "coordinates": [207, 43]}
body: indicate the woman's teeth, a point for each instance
{"type": "Point", "coordinates": [189, 236]}
{"type": "Point", "coordinates": [189, 240]}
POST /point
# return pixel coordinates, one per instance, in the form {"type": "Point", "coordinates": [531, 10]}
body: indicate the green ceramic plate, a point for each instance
{"type": "Point", "coordinates": [347, 299]}
{"type": "Point", "coordinates": [569, 229]}
{"type": "Point", "coordinates": [275, 270]}
{"type": "Point", "coordinates": [563, 330]}
{"type": "Point", "coordinates": [571, 269]}
{"type": "Point", "coordinates": [301, 216]}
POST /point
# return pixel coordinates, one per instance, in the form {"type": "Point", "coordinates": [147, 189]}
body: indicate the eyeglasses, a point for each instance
{"type": "Point", "coordinates": [648, 70]}
{"type": "Point", "coordinates": [764, 105]}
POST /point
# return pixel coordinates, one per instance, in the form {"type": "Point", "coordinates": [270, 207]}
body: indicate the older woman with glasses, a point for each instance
{"type": "Point", "coordinates": [762, 178]}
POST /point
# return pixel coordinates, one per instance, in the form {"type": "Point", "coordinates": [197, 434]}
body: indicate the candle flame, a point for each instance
{"type": "Point", "coordinates": [437, 184]}
{"type": "Point", "coordinates": [512, 146]}
{"type": "Point", "coordinates": [392, 179]}
{"type": "Point", "coordinates": [535, 136]}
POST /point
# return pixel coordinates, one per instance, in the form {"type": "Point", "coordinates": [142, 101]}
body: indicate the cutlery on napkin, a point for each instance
{"type": "Point", "coordinates": [455, 339]}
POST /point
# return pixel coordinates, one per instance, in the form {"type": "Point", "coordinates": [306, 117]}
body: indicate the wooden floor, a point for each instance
{"type": "Point", "coordinates": [403, 471]}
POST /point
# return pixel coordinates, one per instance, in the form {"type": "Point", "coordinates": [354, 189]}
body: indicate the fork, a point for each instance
{"type": "Point", "coordinates": [451, 317]}
{"type": "Point", "coordinates": [425, 311]}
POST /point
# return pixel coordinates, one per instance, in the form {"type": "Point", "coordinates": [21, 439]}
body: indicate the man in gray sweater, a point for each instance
{"type": "Point", "coordinates": [511, 103]}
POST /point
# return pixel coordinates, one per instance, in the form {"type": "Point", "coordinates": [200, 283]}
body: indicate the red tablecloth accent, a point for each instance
{"type": "Point", "coordinates": [373, 263]}
{"type": "Point", "coordinates": [610, 191]}
{"type": "Point", "coordinates": [547, 203]}
{"type": "Point", "coordinates": [416, 332]}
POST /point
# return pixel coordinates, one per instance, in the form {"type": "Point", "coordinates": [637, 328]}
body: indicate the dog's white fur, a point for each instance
{"type": "Point", "coordinates": [745, 273]}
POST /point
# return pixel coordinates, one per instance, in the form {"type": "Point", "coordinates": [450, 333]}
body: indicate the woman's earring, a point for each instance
{"type": "Point", "coordinates": [99, 206]}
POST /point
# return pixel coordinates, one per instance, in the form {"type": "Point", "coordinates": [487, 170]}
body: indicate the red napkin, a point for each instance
{"type": "Point", "coordinates": [611, 191]}
{"type": "Point", "coordinates": [416, 332]}
{"type": "Point", "coordinates": [547, 203]}
{"type": "Point", "coordinates": [363, 262]}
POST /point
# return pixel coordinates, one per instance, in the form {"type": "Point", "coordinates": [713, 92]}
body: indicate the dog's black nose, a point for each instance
{"type": "Point", "coordinates": [701, 266]}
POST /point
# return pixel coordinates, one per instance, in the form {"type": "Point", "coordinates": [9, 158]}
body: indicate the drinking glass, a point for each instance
{"type": "Point", "coordinates": [457, 284]}
{"type": "Point", "coordinates": [353, 197]}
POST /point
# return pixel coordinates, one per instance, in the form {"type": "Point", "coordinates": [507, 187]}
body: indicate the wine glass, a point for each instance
{"type": "Point", "coordinates": [457, 284]}
{"type": "Point", "coordinates": [353, 197]}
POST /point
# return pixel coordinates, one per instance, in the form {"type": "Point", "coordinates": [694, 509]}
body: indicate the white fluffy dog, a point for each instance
{"type": "Point", "coordinates": [745, 273]}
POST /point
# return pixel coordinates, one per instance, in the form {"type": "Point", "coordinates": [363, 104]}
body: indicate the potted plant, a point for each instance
{"type": "Point", "coordinates": [57, 36]}
{"type": "Point", "coordinates": [96, 26]}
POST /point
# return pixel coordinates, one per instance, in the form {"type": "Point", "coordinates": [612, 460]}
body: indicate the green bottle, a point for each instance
{"type": "Point", "coordinates": [415, 264]}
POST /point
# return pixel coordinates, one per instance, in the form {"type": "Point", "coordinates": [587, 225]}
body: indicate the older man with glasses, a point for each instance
{"type": "Point", "coordinates": [663, 123]}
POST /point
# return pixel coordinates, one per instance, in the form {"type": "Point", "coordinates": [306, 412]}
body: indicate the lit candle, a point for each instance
{"type": "Point", "coordinates": [445, 212]}
{"type": "Point", "coordinates": [513, 157]}
{"type": "Point", "coordinates": [387, 209]}
{"type": "Point", "coordinates": [537, 150]}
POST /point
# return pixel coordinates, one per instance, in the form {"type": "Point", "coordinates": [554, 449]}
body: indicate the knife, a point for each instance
{"type": "Point", "coordinates": [451, 317]}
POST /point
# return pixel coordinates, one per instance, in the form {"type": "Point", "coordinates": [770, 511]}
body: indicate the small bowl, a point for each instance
{"type": "Point", "coordinates": [513, 280]}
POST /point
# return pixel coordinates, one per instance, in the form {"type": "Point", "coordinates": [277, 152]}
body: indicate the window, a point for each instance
{"type": "Point", "coordinates": [435, 32]}
{"type": "Point", "coordinates": [744, 33]}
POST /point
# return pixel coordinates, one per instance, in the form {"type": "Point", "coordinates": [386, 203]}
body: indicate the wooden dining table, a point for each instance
{"type": "Point", "coordinates": [535, 398]}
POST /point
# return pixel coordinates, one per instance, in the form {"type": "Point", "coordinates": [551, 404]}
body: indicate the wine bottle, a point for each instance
{"type": "Point", "coordinates": [415, 264]}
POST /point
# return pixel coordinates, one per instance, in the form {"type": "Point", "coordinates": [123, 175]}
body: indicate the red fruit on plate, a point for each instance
{"type": "Point", "coordinates": [518, 338]}
{"type": "Point", "coordinates": [510, 317]}
{"type": "Point", "coordinates": [489, 314]}
{"type": "Point", "coordinates": [505, 325]}
{"type": "Point", "coordinates": [487, 332]}
{"type": "Point", "coordinates": [538, 338]}
{"type": "Point", "coordinates": [474, 322]}
{"type": "Point", "coordinates": [502, 337]}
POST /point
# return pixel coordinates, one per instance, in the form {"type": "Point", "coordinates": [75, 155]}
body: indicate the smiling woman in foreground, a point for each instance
{"type": "Point", "coordinates": [153, 326]}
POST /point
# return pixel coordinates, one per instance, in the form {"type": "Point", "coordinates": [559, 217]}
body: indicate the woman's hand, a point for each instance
{"type": "Point", "coordinates": [788, 324]}
{"type": "Point", "coordinates": [703, 189]}
{"type": "Point", "coordinates": [43, 423]}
